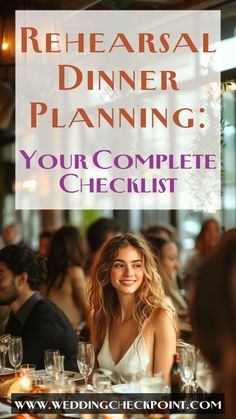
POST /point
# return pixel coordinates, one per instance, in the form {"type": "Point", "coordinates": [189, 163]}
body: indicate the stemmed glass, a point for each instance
{"type": "Point", "coordinates": [85, 360]}
{"type": "Point", "coordinates": [15, 352]}
{"type": "Point", "coordinates": [4, 346]}
{"type": "Point", "coordinates": [187, 367]}
{"type": "Point", "coordinates": [204, 374]}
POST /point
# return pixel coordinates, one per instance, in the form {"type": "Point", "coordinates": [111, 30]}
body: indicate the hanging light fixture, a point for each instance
{"type": "Point", "coordinates": [8, 39]}
{"type": "Point", "coordinates": [7, 69]}
{"type": "Point", "coordinates": [7, 46]}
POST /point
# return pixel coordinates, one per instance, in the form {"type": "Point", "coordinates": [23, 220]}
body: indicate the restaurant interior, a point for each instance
{"type": "Point", "coordinates": [187, 222]}
{"type": "Point", "coordinates": [182, 230]}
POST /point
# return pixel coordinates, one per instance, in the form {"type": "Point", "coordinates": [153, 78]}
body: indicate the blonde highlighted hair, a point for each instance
{"type": "Point", "coordinates": [103, 298]}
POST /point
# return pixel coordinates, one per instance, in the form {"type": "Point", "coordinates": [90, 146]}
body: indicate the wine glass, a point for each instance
{"type": "Point", "coordinates": [204, 374]}
{"type": "Point", "coordinates": [187, 367]}
{"type": "Point", "coordinates": [4, 346]}
{"type": "Point", "coordinates": [85, 360]}
{"type": "Point", "coordinates": [49, 360]}
{"type": "Point", "coordinates": [15, 352]}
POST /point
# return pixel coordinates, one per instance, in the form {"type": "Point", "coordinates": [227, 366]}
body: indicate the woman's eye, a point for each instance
{"type": "Point", "coordinates": [138, 265]}
{"type": "Point", "coordinates": [117, 265]}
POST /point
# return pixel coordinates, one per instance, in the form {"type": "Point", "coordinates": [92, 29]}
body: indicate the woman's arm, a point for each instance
{"type": "Point", "coordinates": [164, 342]}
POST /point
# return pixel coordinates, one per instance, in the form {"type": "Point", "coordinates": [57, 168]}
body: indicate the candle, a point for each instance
{"type": "Point", "coordinates": [25, 382]}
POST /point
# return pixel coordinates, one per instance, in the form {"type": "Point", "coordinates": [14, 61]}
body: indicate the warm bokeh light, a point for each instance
{"type": "Point", "coordinates": [5, 45]}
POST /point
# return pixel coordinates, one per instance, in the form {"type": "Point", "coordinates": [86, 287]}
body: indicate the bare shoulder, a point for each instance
{"type": "Point", "coordinates": [78, 285]}
{"type": "Point", "coordinates": [163, 319]}
{"type": "Point", "coordinates": [163, 314]}
{"type": "Point", "coordinates": [75, 270]}
{"type": "Point", "coordinates": [75, 273]}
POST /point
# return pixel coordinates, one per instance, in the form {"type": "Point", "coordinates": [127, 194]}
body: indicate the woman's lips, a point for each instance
{"type": "Point", "coordinates": [128, 282]}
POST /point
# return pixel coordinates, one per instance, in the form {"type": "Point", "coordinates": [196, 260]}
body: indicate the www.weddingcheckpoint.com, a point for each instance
{"type": "Point", "coordinates": [113, 403]}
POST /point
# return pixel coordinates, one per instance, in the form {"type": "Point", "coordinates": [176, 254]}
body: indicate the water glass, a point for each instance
{"type": "Point", "coordinates": [26, 376]}
{"type": "Point", "coordinates": [49, 360]}
{"type": "Point", "coordinates": [30, 367]}
{"type": "Point", "coordinates": [58, 370]}
{"type": "Point", "coordinates": [101, 381]}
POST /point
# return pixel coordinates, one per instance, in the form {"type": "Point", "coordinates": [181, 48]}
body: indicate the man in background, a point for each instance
{"type": "Point", "coordinates": [39, 322]}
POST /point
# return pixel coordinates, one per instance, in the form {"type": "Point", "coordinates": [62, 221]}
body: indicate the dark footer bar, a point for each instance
{"type": "Point", "coordinates": [95, 403]}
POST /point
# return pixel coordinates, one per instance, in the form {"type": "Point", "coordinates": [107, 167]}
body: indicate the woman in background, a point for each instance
{"type": "Point", "coordinates": [167, 255]}
{"type": "Point", "coordinates": [66, 281]}
{"type": "Point", "coordinates": [206, 242]}
{"type": "Point", "coordinates": [133, 327]}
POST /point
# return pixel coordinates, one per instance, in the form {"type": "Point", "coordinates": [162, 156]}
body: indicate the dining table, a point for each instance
{"type": "Point", "coordinates": [5, 408]}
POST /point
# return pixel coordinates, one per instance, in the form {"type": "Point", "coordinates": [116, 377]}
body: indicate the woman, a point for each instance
{"type": "Point", "coordinates": [167, 254]}
{"type": "Point", "coordinates": [134, 329]}
{"type": "Point", "coordinates": [66, 281]}
{"type": "Point", "coordinates": [206, 242]}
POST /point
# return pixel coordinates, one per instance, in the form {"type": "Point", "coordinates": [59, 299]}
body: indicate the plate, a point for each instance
{"type": "Point", "coordinates": [126, 388]}
{"type": "Point", "coordinates": [72, 375]}
{"type": "Point", "coordinates": [7, 371]}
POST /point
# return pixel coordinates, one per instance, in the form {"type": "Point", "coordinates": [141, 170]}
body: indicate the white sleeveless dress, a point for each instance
{"type": "Point", "coordinates": [135, 360]}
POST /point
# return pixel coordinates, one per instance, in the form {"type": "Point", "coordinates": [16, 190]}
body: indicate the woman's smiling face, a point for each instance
{"type": "Point", "coordinates": [127, 271]}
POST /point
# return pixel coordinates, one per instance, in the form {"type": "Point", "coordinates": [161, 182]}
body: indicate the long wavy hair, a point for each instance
{"type": "Point", "coordinates": [66, 249]}
{"type": "Point", "coordinates": [103, 297]}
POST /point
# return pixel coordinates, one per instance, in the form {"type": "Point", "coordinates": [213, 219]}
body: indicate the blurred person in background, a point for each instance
{"type": "Point", "coordinates": [44, 243]}
{"type": "Point", "coordinates": [167, 254]}
{"type": "Point", "coordinates": [208, 237]}
{"type": "Point", "coordinates": [98, 232]}
{"type": "Point", "coordinates": [161, 230]}
{"type": "Point", "coordinates": [205, 243]}
{"type": "Point", "coordinates": [213, 314]}
{"type": "Point", "coordinates": [65, 284]}
{"type": "Point", "coordinates": [12, 235]}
